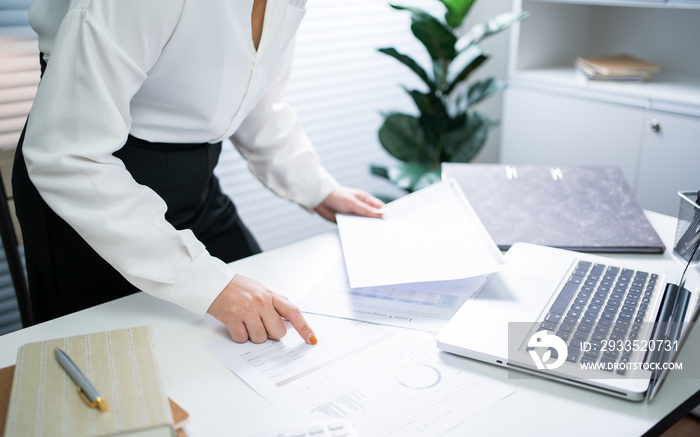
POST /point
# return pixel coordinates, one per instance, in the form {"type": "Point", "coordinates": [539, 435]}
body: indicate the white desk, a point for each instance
{"type": "Point", "coordinates": [219, 403]}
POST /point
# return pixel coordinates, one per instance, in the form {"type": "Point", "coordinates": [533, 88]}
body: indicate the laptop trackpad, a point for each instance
{"type": "Point", "coordinates": [516, 292]}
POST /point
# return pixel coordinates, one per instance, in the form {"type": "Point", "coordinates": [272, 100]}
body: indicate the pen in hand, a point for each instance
{"type": "Point", "coordinates": [86, 390]}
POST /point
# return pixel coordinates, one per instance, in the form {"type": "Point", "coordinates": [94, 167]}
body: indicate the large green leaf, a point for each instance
{"type": "Point", "coordinates": [429, 177]}
{"type": "Point", "coordinates": [463, 144]}
{"type": "Point", "coordinates": [402, 136]}
{"type": "Point", "coordinates": [464, 74]}
{"type": "Point", "coordinates": [410, 63]}
{"type": "Point", "coordinates": [379, 170]}
{"type": "Point", "coordinates": [407, 176]}
{"type": "Point", "coordinates": [457, 10]}
{"type": "Point", "coordinates": [413, 10]}
{"type": "Point", "coordinates": [467, 95]}
{"type": "Point", "coordinates": [492, 26]}
{"type": "Point", "coordinates": [484, 89]}
{"type": "Point", "coordinates": [433, 119]}
{"type": "Point", "coordinates": [464, 64]}
{"type": "Point", "coordinates": [440, 67]}
{"type": "Point", "coordinates": [437, 38]}
{"type": "Point", "coordinates": [428, 104]}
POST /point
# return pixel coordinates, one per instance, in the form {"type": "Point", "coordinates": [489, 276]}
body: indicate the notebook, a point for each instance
{"type": "Point", "coordinates": [121, 364]}
{"type": "Point", "coordinates": [616, 67]}
{"type": "Point", "coordinates": [180, 416]}
{"type": "Point", "coordinates": [590, 209]}
{"type": "Point", "coordinates": [583, 319]}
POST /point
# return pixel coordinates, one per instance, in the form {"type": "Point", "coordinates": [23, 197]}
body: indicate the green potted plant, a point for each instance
{"type": "Point", "coordinates": [446, 128]}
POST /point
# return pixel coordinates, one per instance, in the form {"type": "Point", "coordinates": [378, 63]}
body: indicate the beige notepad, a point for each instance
{"type": "Point", "coordinates": [622, 64]}
{"type": "Point", "coordinates": [616, 67]}
{"type": "Point", "coordinates": [121, 364]}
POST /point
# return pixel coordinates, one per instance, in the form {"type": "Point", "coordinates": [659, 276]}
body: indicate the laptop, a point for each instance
{"type": "Point", "coordinates": [582, 319]}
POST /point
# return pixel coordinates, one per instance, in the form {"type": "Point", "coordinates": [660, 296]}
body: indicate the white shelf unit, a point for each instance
{"type": "Point", "coordinates": [554, 116]}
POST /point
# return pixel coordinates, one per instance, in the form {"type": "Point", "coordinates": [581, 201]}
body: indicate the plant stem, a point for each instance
{"type": "Point", "coordinates": [437, 157]}
{"type": "Point", "coordinates": [441, 76]}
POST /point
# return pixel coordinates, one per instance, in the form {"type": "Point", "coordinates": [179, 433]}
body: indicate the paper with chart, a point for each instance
{"type": "Point", "coordinates": [386, 382]}
{"type": "Point", "coordinates": [429, 235]}
{"type": "Point", "coordinates": [422, 306]}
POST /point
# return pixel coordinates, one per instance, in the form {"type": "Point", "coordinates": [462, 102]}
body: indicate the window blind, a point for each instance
{"type": "Point", "coordinates": [19, 76]}
{"type": "Point", "coordinates": [19, 69]}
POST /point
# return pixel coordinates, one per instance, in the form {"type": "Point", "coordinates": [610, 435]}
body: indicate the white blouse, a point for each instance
{"type": "Point", "coordinates": [182, 71]}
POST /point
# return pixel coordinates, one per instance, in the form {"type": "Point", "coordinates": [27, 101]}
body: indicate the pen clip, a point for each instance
{"type": "Point", "coordinates": [99, 403]}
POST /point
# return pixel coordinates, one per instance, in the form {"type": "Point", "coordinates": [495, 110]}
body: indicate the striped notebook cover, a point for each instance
{"type": "Point", "coordinates": [121, 364]}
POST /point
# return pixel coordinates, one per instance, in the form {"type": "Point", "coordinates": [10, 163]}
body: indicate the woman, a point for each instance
{"type": "Point", "coordinates": [113, 177]}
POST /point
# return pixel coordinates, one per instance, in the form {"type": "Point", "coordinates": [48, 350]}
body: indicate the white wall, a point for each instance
{"type": "Point", "coordinates": [339, 86]}
{"type": "Point", "coordinates": [497, 47]}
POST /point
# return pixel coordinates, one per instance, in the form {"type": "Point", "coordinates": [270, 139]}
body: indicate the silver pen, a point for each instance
{"type": "Point", "coordinates": [86, 390]}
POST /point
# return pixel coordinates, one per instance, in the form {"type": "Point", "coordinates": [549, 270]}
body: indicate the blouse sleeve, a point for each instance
{"type": "Point", "coordinates": [278, 151]}
{"type": "Point", "coordinates": [80, 116]}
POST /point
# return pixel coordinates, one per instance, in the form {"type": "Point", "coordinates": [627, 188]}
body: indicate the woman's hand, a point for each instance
{"type": "Point", "coordinates": [344, 200]}
{"type": "Point", "coordinates": [252, 312]}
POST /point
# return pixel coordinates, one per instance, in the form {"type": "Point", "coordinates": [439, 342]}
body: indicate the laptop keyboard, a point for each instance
{"type": "Point", "coordinates": [600, 303]}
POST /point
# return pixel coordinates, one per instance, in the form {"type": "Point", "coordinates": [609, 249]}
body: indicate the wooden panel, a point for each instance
{"type": "Point", "coordinates": [7, 157]}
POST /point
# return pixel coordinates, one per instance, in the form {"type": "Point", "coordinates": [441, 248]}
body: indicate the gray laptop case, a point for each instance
{"type": "Point", "coordinates": [590, 209]}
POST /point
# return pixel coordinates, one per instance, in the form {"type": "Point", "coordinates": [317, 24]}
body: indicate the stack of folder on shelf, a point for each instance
{"type": "Point", "coordinates": [620, 67]}
{"type": "Point", "coordinates": [38, 395]}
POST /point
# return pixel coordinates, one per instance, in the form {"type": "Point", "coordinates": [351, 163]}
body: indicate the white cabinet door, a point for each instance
{"type": "Point", "coordinates": [546, 128]}
{"type": "Point", "coordinates": [670, 160]}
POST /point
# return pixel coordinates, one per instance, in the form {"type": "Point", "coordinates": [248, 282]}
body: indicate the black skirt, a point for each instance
{"type": "Point", "coordinates": [66, 275]}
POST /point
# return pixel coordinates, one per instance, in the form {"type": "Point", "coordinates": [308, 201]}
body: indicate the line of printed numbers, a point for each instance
{"type": "Point", "coordinates": [634, 345]}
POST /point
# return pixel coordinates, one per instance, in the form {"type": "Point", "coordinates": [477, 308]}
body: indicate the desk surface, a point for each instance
{"type": "Point", "coordinates": [218, 400]}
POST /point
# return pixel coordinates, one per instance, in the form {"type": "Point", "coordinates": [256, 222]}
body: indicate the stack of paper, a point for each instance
{"type": "Point", "coordinates": [427, 236]}
{"type": "Point", "coordinates": [616, 67]}
{"type": "Point", "coordinates": [414, 267]}
{"type": "Point", "coordinates": [360, 372]}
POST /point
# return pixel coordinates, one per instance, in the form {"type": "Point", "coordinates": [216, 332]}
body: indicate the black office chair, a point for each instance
{"type": "Point", "coordinates": [14, 260]}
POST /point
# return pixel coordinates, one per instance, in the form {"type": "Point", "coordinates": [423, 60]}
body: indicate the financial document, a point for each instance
{"type": "Point", "coordinates": [429, 235]}
{"type": "Point", "coordinates": [425, 306]}
{"type": "Point", "coordinates": [387, 382]}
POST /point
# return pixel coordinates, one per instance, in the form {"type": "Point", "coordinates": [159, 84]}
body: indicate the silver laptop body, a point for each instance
{"type": "Point", "coordinates": [506, 321]}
